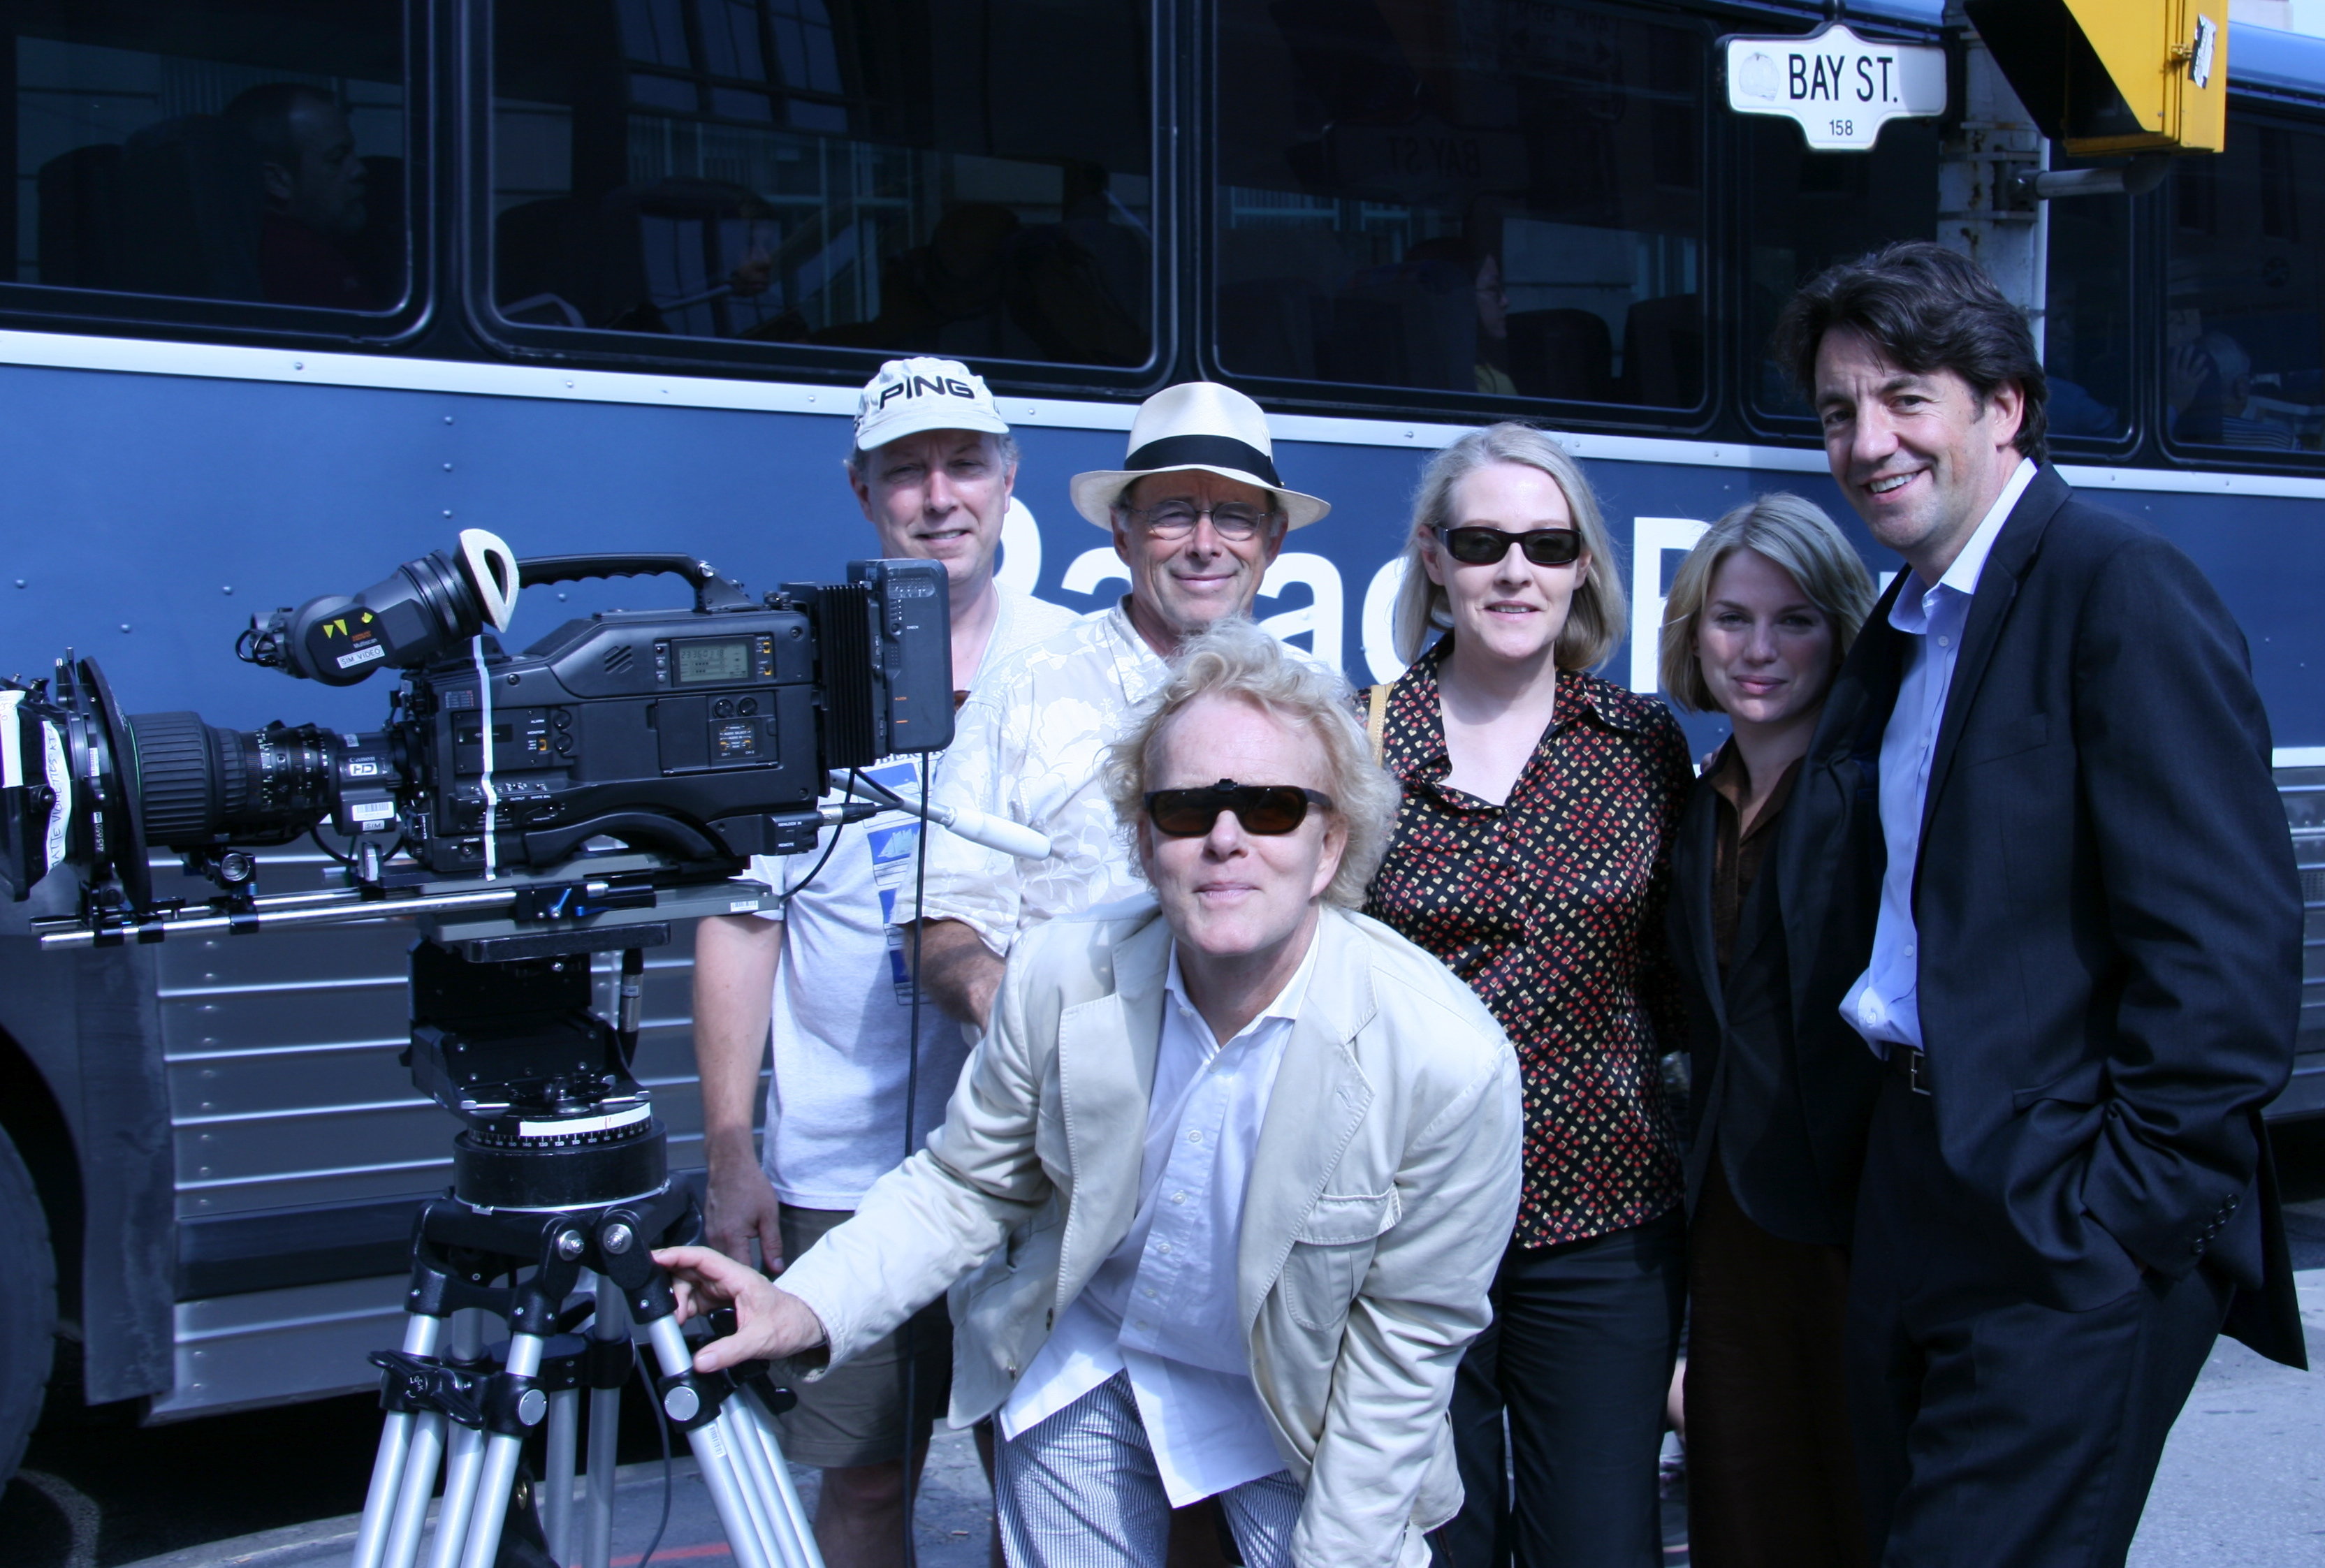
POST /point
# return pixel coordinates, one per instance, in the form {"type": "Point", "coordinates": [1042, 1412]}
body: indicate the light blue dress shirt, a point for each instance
{"type": "Point", "coordinates": [1884, 1004]}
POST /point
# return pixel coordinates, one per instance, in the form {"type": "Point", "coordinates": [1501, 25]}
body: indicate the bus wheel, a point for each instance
{"type": "Point", "coordinates": [28, 1307]}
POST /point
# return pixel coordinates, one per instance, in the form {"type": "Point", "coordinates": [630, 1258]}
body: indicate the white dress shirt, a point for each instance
{"type": "Point", "coordinates": [1884, 1004]}
{"type": "Point", "coordinates": [1162, 1304]}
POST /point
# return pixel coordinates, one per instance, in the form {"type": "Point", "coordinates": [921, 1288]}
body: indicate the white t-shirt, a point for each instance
{"type": "Point", "coordinates": [842, 1012]}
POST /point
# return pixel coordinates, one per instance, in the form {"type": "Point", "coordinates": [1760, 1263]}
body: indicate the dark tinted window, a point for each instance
{"type": "Point", "coordinates": [972, 180]}
{"type": "Point", "coordinates": [1804, 211]}
{"type": "Point", "coordinates": [2245, 300]}
{"type": "Point", "coordinates": [250, 151]}
{"type": "Point", "coordinates": [2086, 319]}
{"type": "Point", "coordinates": [1481, 196]}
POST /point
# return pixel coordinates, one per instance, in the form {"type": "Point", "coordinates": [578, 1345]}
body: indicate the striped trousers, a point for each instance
{"type": "Point", "coordinates": [1080, 1490]}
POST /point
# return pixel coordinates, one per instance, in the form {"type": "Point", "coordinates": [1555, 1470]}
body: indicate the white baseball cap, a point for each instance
{"type": "Point", "coordinates": [913, 395]}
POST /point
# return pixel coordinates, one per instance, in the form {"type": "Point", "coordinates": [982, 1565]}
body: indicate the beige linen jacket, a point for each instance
{"type": "Point", "coordinates": [1380, 1202]}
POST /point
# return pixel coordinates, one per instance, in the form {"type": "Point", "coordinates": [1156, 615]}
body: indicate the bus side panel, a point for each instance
{"type": "Point", "coordinates": [88, 1022]}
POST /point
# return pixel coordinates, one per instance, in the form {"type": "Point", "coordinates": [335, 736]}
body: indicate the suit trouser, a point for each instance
{"type": "Point", "coordinates": [1771, 1464]}
{"type": "Point", "coordinates": [1080, 1489]}
{"type": "Point", "coordinates": [1994, 1432]}
{"type": "Point", "coordinates": [1578, 1357]}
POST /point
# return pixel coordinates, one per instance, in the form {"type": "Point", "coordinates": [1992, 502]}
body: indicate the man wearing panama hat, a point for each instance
{"type": "Point", "coordinates": [1198, 513]}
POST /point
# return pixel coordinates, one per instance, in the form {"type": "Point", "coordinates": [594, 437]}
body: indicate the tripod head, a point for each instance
{"type": "Point", "coordinates": [506, 1037]}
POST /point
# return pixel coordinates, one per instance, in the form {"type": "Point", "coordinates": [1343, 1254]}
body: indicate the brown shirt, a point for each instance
{"type": "Point", "coordinates": [1737, 856]}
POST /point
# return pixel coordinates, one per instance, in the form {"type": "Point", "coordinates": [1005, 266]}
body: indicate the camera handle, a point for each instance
{"type": "Point", "coordinates": [711, 591]}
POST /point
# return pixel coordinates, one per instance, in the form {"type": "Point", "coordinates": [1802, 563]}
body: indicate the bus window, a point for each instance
{"type": "Point", "coordinates": [241, 151]}
{"type": "Point", "coordinates": [1806, 211]}
{"type": "Point", "coordinates": [911, 177]}
{"type": "Point", "coordinates": [1503, 199]}
{"type": "Point", "coordinates": [2087, 317]}
{"type": "Point", "coordinates": [2244, 327]}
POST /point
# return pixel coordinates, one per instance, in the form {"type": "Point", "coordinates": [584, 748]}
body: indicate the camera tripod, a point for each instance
{"type": "Point", "coordinates": [562, 1173]}
{"type": "Point", "coordinates": [448, 1401]}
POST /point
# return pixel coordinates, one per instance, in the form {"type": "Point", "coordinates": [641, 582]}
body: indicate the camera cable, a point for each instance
{"type": "Point", "coordinates": [661, 1430]}
{"type": "Point", "coordinates": [315, 836]}
{"type": "Point", "coordinates": [911, 1101]}
{"type": "Point", "coordinates": [823, 860]}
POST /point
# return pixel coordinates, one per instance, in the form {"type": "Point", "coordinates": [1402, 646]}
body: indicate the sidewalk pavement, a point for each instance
{"type": "Point", "coordinates": [951, 1529]}
{"type": "Point", "coordinates": [2242, 1482]}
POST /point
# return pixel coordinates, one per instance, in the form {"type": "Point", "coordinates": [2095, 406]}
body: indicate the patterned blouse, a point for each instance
{"type": "Point", "coordinates": [1550, 905]}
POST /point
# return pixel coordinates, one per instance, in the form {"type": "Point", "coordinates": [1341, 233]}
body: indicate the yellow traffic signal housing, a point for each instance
{"type": "Point", "coordinates": [2115, 76]}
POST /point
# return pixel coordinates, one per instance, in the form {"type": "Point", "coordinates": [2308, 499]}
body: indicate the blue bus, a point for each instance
{"type": "Point", "coordinates": [295, 291]}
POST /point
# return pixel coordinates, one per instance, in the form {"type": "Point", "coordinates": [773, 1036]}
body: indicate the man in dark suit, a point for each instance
{"type": "Point", "coordinates": [2084, 969]}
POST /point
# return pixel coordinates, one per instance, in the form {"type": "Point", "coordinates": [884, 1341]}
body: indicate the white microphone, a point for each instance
{"type": "Point", "coordinates": [1011, 838]}
{"type": "Point", "coordinates": [998, 833]}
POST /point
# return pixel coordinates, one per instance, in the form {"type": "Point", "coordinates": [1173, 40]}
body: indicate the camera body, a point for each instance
{"type": "Point", "coordinates": [698, 736]}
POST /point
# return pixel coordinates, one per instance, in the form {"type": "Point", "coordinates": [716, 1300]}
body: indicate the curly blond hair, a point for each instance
{"type": "Point", "coordinates": [1234, 659]}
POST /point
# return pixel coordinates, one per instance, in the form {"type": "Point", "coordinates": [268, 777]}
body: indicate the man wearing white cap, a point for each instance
{"type": "Point", "coordinates": [1198, 514]}
{"type": "Point", "coordinates": [932, 466]}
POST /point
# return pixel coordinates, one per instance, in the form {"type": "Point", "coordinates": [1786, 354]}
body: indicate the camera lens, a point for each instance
{"type": "Point", "coordinates": [200, 784]}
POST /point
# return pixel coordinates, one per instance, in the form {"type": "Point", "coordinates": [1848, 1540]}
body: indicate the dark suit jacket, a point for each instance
{"type": "Point", "coordinates": [2108, 916]}
{"type": "Point", "coordinates": [1781, 1086]}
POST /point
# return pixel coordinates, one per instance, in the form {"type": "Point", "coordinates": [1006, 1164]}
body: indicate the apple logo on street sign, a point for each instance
{"type": "Point", "coordinates": [1839, 88]}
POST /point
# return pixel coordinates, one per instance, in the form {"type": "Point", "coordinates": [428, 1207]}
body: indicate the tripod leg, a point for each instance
{"type": "Point", "coordinates": [787, 1497]}
{"type": "Point", "coordinates": [420, 1336]}
{"type": "Point", "coordinates": [796, 1544]}
{"type": "Point", "coordinates": [497, 1468]}
{"type": "Point", "coordinates": [752, 1486]}
{"type": "Point", "coordinates": [557, 1483]}
{"type": "Point", "coordinates": [613, 1323]}
{"type": "Point", "coordinates": [714, 1457]}
{"type": "Point", "coordinates": [411, 1519]}
{"type": "Point", "coordinates": [464, 1465]}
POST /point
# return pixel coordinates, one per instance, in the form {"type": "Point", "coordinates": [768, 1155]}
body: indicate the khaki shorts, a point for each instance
{"type": "Point", "coordinates": [854, 1414]}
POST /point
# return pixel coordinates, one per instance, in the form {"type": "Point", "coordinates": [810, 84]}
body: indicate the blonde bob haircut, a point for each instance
{"type": "Point", "coordinates": [1789, 531]}
{"type": "Point", "coordinates": [1596, 617]}
{"type": "Point", "coordinates": [1236, 660]}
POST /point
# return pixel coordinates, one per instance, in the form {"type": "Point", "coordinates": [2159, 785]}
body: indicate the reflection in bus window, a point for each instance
{"type": "Point", "coordinates": [2087, 329]}
{"type": "Point", "coordinates": [2244, 327]}
{"type": "Point", "coordinates": [232, 150]}
{"type": "Point", "coordinates": [973, 180]}
{"type": "Point", "coordinates": [1805, 211]}
{"type": "Point", "coordinates": [1501, 197]}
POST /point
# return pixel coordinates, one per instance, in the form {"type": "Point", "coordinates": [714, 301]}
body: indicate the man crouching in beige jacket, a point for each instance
{"type": "Point", "coordinates": [1243, 1167]}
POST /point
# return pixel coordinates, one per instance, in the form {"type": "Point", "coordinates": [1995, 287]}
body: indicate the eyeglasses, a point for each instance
{"type": "Point", "coordinates": [1234, 520]}
{"type": "Point", "coordinates": [1265, 809]}
{"type": "Point", "coordinates": [1482, 547]}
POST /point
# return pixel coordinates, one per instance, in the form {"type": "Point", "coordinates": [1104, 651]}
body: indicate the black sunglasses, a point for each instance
{"type": "Point", "coordinates": [1268, 808]}
{"type": "Point", "coordinates": [1482, 547]}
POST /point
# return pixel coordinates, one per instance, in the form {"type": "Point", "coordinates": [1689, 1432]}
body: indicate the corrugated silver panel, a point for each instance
{"type": "Point", "coordinates": [277, 1346]}
{"type": "Point", "coordinates": [2304, 792]}
{"type": "Point", "coordinates": [285, 1086]}
{"type": "Point", "coordinates": [286, 1090]}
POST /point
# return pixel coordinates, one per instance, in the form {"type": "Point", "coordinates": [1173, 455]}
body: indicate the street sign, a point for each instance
{"type": "Point", "coordinates": [1839, 88]}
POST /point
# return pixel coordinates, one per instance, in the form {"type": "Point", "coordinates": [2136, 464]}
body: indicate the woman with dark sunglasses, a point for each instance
{"type": "Point", "coordinates": [1532, 855]}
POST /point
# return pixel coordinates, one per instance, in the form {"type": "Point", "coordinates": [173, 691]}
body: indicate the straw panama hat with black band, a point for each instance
{"type": "Point", "coordinates": [1197, 424]}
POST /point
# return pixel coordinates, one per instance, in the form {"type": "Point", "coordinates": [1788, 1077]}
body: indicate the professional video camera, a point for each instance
{"type": "Point", "coordinates": [699, 737]}
{"type": "Point", "coordinates": [526, 809]}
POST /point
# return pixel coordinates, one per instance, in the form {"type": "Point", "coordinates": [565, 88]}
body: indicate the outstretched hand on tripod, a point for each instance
{"type": "Point", "coordinates": [768, 1321]}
